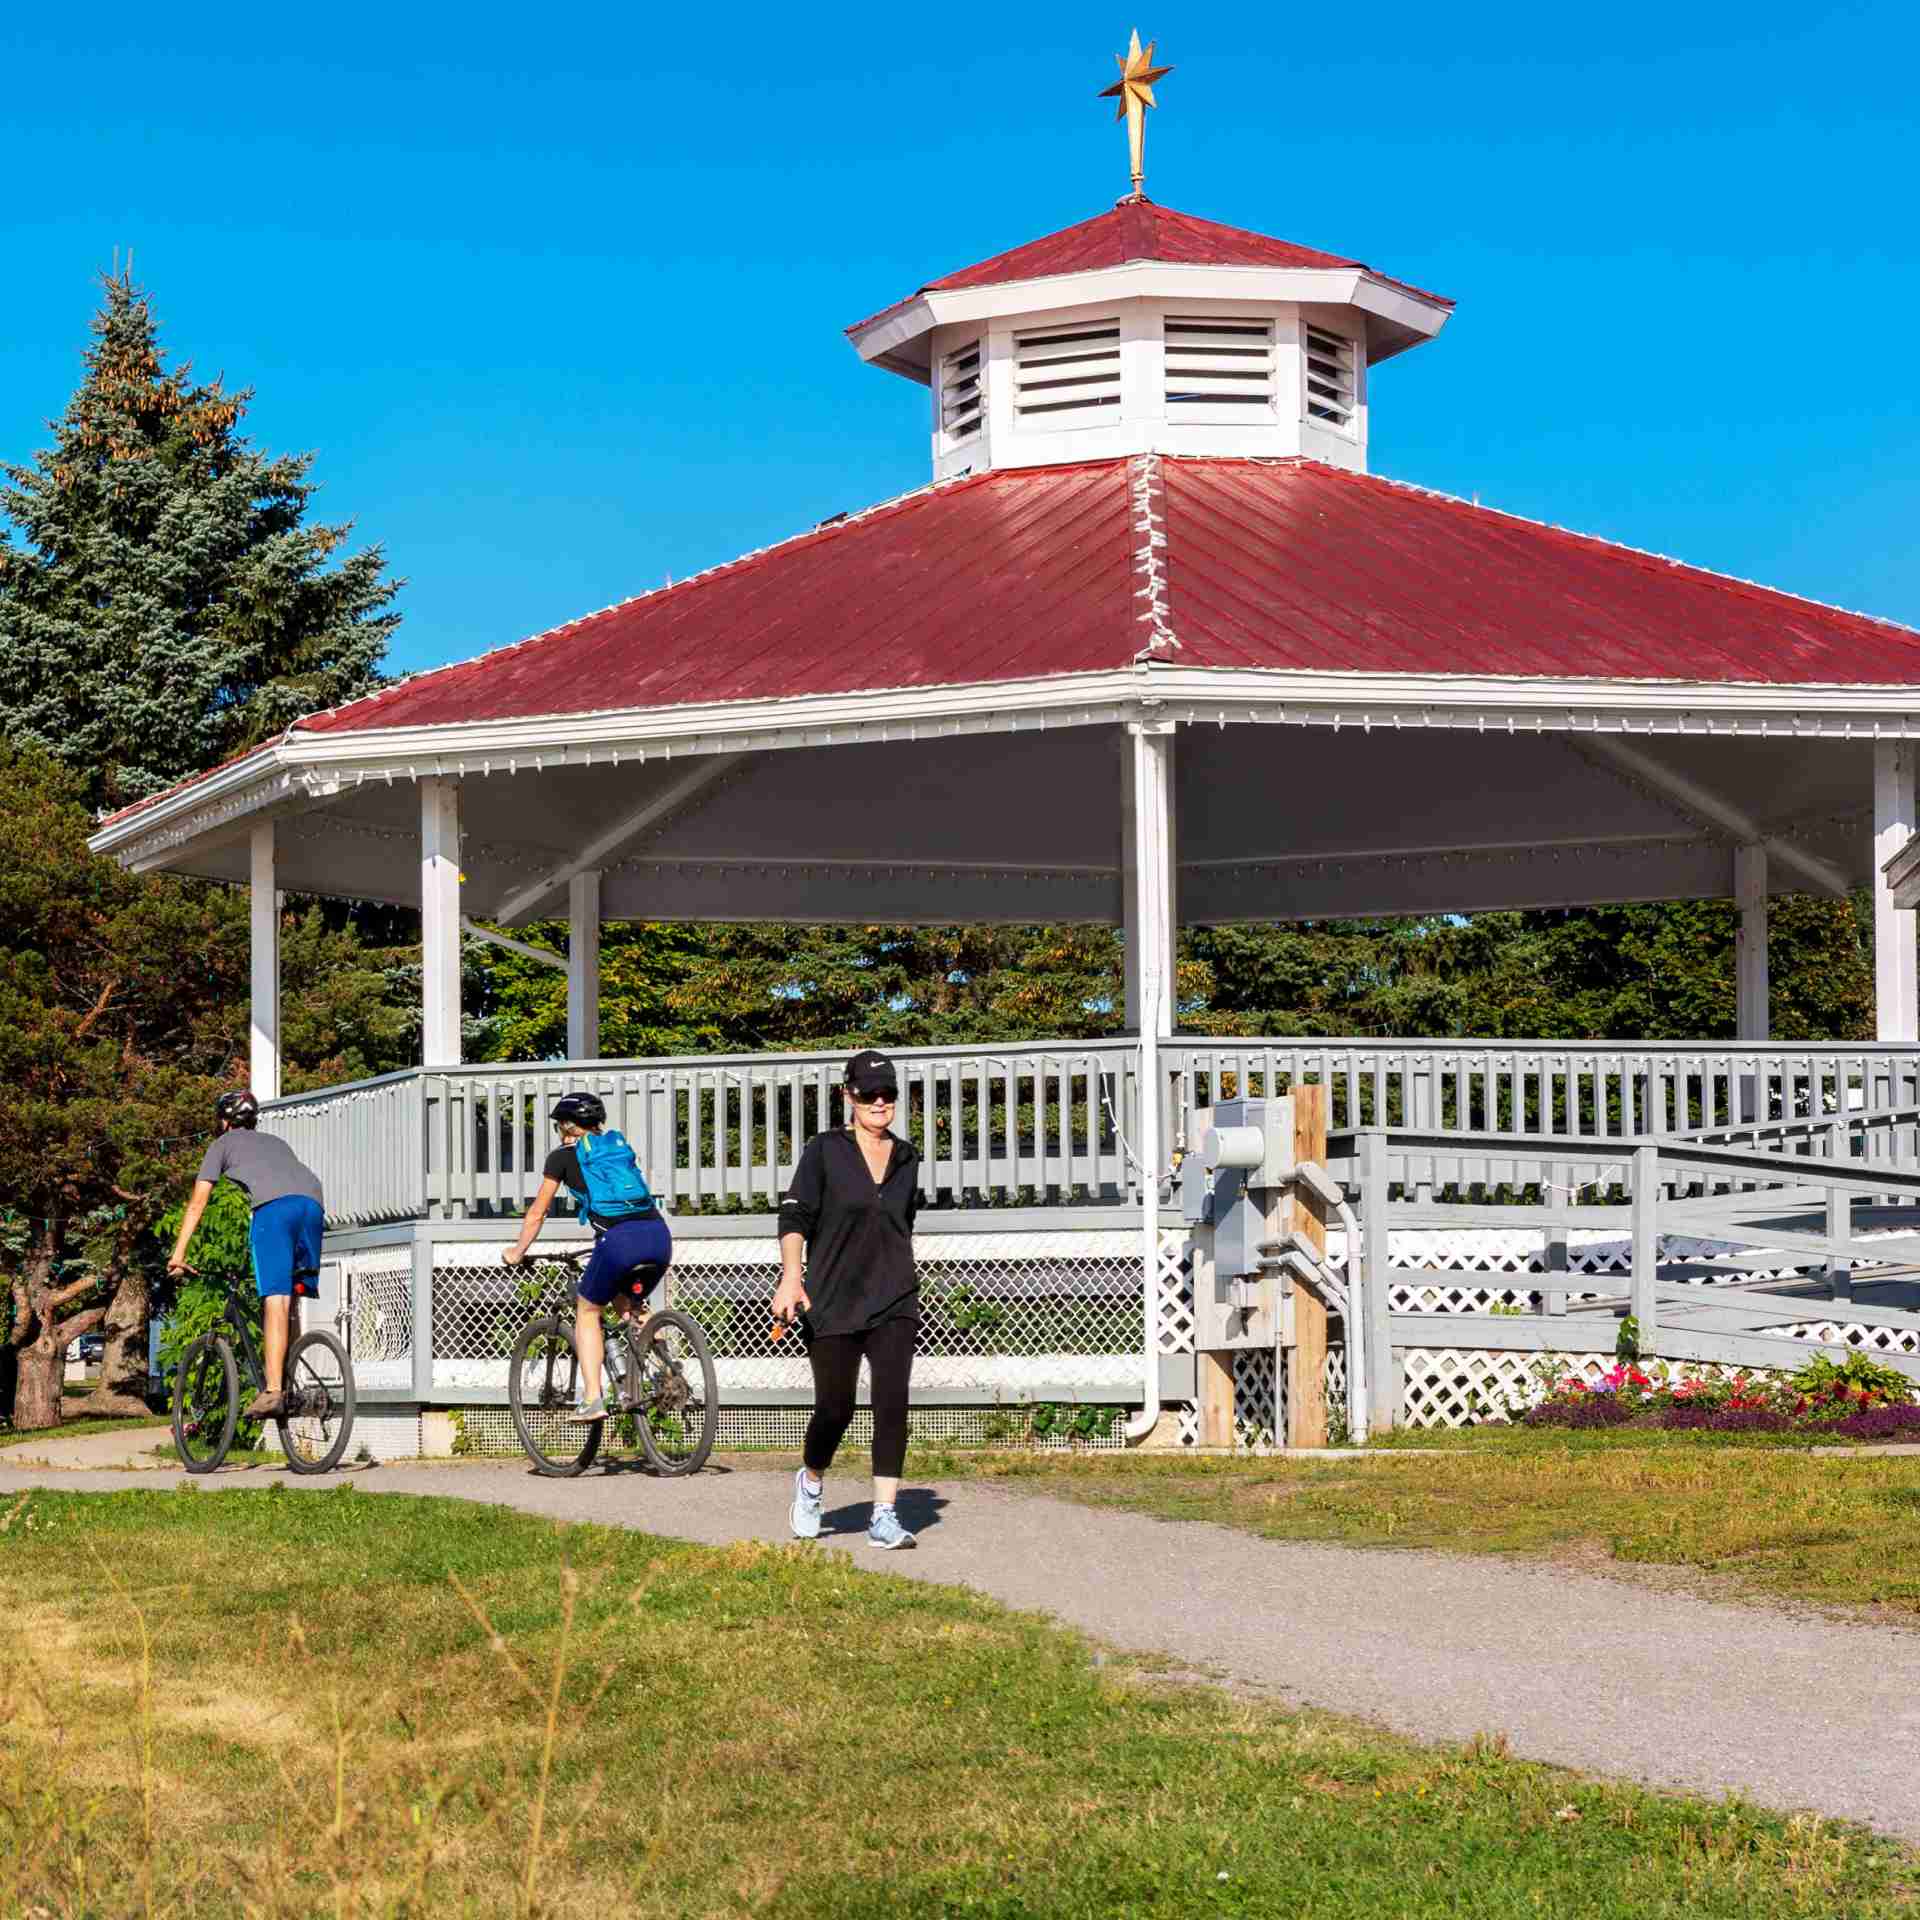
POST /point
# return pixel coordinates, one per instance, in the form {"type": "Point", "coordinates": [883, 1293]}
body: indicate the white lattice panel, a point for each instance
{"type": "Point", "coordinates": [1176, 1294]}
{"type": "Point", "coordinates": [1257, 1411]}
{"type": "Point", "coordinates": [1467, 1386]}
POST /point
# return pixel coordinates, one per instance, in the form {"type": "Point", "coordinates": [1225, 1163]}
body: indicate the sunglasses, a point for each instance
{"type": "Point", "coordinates": [884, 1097]}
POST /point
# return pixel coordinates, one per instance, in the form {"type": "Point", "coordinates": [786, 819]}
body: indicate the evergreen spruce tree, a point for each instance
{"type": "Point", "coordinates": [166, 605]}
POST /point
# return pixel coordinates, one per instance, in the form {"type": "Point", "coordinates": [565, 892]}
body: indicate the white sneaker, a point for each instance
{"type": "Point", "coordinates": [806, 1506]}
{"type": "Point", "coordinates": [885, 1531]}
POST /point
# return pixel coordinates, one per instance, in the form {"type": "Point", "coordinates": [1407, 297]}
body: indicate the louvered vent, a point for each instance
{"type": "Point", "coordinates": [1330, 378]}
{"type": "Point", "coordinates": [1064, 376]}
{"type": "Point", "coordinates": [960, 392]}
{"type": "Point", "coordinates": [1219, 363]}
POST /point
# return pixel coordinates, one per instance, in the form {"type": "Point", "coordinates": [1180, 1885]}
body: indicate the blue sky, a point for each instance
{"type": "Point", "coordinates": [557, 298]}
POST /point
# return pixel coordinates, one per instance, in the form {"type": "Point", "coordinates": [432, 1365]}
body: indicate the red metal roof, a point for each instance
{"type": "Point", "coordinates": [1297, 565]}
{"type": "Point", "coordinates": [1038, 572]}
{"type": "Point", "coordinates": [1024, 573]}
{"type": "Point", "coordinates": [1003, 576]}
{"type": "Point", "coordinates": [1140, 230]}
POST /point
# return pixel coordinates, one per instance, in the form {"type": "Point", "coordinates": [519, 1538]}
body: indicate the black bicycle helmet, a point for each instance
{"type": "Point", "coordinates": [237, 1109]}
{"type": "Point", "coordinates": [580, 1110]}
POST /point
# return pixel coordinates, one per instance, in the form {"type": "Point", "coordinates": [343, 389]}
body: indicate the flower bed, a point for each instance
{"type": "Point", "coordinates": [1854, 1399]}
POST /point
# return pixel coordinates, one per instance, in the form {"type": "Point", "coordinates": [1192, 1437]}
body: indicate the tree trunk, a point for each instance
{"type": "Point", "coordinates": [123, 1369]}
{"type": "Point", "coordinates": [41, 1336]}
{"type": "Point", "coordinates": [36, 1394]}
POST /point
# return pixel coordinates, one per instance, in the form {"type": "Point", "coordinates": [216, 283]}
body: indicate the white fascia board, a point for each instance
{"type": "Point", "coordinates": [881, 341]}
{"type": "Point", "coordinates": [1519, 704]}
{"type": "Point", "coordinates": [1200, 695]}
{"type": "Point", "coordinates": [319, 765]}
{"type": "Point", "coordinates": [269, 776]}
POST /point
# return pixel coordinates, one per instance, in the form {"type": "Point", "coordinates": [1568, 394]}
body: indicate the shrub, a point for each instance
{"type": "Point", "coordinates": [1597, 1410]}
{"type": "Point", "coordinates": [1858, 1374]}
{"type": "Point", "coordinates": [1881, 1423]}
{"type": "Point", "coordinates": [1724, 1419]}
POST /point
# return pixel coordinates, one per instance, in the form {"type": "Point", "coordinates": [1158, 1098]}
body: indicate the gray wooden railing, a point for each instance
{"type": "Point", "coordinates": [1051, 1122]}
{"type": "Point", "coordinates": [1805, 1235]}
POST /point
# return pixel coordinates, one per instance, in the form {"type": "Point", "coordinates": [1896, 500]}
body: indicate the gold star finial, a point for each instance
{"type": "Point", "coordinates": [1134, 91]}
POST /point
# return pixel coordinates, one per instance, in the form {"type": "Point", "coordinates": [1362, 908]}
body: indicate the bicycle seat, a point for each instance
{"type": "Point", "coordinates": [644, 1278]}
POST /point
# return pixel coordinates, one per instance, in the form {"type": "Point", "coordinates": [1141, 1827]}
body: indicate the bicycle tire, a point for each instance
{"type": "Point", "coordinates": [679, 1409]}
{"type": "Point", "coordinates": [206, 1403]}
{"type": "Point", "coordinates": [542, 1376]}
{"type": "Point", "coordinates": [314, 1438]}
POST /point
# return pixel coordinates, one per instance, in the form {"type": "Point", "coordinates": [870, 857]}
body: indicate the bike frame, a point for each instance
{"type": "Point", "coordinates": [233, 1324]}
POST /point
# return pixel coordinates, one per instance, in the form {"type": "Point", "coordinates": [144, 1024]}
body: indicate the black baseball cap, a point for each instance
{"type": "Point", "coordinates": [870, 1072]}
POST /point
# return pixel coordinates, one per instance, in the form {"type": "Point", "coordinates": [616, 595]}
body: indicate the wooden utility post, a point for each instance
{"type": "Point", "coordinates": [1214, 1388]}
{"type": "Point", "coordinates": [1303, 1211]}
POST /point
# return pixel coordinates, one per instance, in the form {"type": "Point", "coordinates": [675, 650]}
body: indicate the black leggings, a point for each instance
{"type": "Point", "coordinates": [836, 1372]}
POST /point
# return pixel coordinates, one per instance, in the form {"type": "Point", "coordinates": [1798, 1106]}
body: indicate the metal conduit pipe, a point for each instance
{"type": "Point", "coordinates": [1356, 1327]}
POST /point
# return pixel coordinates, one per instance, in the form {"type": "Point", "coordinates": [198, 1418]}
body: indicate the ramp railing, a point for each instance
{"type": "Point", "coordinates": [1724, 1254]}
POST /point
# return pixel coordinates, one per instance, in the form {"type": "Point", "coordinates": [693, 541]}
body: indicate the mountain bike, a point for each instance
{"type": "Point", "coordinates": [661, 1387]}
{"type": "Point", "coordinates": [319, 1403]}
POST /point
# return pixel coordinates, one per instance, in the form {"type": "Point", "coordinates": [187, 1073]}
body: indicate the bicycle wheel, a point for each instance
{"type": "Point", "coordinates": [678, 1394]}
{"type": "Point", "coordinates": [206, 1403]}
{"type": "Point", "coordinates": [318, 1421]}
{"type": "Point", "coordinates": [542, 1381]}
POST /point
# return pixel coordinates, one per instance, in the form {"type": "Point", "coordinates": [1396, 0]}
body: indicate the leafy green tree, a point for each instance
{"type": "Point", "coordinates": [170, 604]}
{"type": "Point", "coordinates": [111, 1041]}
{"type": "Point", "coordinates": [1657, 972]}
{"type": "Point", "coordinates": [122, 1014]}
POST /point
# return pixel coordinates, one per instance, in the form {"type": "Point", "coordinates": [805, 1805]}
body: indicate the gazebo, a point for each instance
{"type": "Point", "coordinates": [1152, 647]}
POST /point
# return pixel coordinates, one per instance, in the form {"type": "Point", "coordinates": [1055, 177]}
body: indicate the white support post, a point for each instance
{"type": "Point", "coordinates": [1149, 790]}
{"type": "Point", "coordinates": [439, 922]}
{"type": "Point", "coordinates": [1750, 943]}
{"type": "Point", "coordinates": [263, 1068]}
{"type": "Point", "coordinates": [583, 967]}
{"type": "Point", "coordinates": [1137, 927]}
{"type": "Point", "coordinates": [1896, 981]}
{"type": "Point", "coordinates": [1751, 1015]}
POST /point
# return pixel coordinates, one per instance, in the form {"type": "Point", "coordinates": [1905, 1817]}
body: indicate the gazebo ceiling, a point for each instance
{"type": "Point", "coordinates": [1269, 823]}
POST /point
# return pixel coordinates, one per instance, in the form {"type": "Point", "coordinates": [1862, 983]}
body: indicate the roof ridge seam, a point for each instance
{"type": "Point", "coordinates": [1149, 522]}
{"type": "Point", "coordinates": [1646, 554]}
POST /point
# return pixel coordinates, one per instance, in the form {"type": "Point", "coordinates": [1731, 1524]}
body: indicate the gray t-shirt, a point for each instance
{"type": "Point", "coordinates": [265, 1166]}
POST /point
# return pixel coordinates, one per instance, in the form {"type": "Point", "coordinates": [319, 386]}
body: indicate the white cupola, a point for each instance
{"type": "Point", "coordinates": [1144, 330]}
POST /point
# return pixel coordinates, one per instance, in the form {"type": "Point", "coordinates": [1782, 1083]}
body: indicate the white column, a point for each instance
{"type": "Point", "coordinates": [1149, 908]}
{"type": "Point", "coordinates": [1149, 919]}
{"type": "Point", "coordinates": [440, 922]}
{"type": "Point", "coordinates": [1750, 943]}
{"type": "Point", "coordinates": [583, 967]}
{"type": "Point", "coordinates": [263, 1069]}
{"type": "Point", "coordinates": [1896, 980]}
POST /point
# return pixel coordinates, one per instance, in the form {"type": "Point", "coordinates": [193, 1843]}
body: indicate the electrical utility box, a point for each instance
{"type": "Point", "coordinates": [1235, 1193]}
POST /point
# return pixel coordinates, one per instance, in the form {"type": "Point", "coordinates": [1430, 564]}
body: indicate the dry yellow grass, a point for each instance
{"type": "Point", "coordinates": [255, 1704]}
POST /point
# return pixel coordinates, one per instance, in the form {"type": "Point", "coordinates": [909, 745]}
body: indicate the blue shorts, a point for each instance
{"type": "Point", "coordinates": [633, 1243]}
{"type": "Point", "coordinates": [286, 1241]}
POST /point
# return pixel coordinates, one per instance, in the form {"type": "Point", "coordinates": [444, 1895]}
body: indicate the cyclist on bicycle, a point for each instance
{"type": "Point", "coordinates": [598, 1168]}
{"type": "Point", "coordinates": [289, 1218]}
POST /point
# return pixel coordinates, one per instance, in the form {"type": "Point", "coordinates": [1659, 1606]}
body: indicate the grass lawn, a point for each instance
{"type": "Point", "coordinates": [1769, 1519]}
{"type": "Point", "coordinates": [74, 1427]}
{"type": "Point", "coordinates": [350, 1705]}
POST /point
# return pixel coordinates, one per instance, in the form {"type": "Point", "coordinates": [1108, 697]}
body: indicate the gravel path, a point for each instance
{"type": "Point", "coordinates": [1791, 1711]}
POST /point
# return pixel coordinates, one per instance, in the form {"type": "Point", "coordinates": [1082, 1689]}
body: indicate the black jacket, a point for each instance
{"type": "Point", "coordinates": [859, 1236]}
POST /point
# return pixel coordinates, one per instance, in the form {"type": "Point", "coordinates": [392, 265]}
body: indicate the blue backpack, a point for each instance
{"type": "Point", "coordinates": [616, 1189]}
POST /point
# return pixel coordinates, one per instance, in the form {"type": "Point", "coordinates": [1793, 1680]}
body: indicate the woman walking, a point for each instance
{"type": "Point", "coordinates": [847, 1277]}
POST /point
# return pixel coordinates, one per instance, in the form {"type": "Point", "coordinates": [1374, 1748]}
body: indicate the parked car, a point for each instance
{"type": "Point", "coordinates": [92, 1348]}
